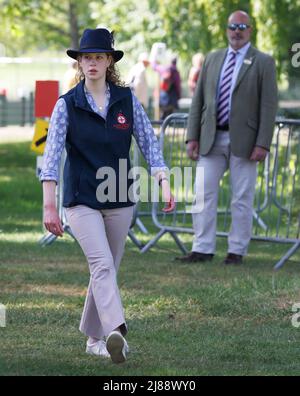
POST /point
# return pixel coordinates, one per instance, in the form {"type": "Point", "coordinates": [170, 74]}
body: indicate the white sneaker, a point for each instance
{"type": "Point", "coordinates": [117, 347]}
{"type": "Point", "coordinates": [98, 349]}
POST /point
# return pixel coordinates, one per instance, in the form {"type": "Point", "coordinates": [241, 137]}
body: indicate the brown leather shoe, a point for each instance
{"type": "Point", "coordinates": [233, 258]}
{"type": "Point", "coordinates": [195, 257]}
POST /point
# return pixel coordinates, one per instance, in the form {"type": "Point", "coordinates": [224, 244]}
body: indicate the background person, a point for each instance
{"type": "Point", "coordinates": [137, 79]}
{"type": "Point", "coordinates": [170, 87]}
{"type": "Point", "coordinates": [197, 62]}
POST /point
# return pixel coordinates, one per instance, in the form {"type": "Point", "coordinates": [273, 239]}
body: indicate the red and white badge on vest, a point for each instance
{"type": "Point", "coordinates": [121, 118]}
{"type": "Point", "coordinates": [122, 121]}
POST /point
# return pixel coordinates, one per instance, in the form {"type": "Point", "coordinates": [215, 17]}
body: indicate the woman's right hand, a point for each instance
{"type": "Point", "coordinates": [52, 221]}
{"type": "Point", "coordinates": [167, 197]}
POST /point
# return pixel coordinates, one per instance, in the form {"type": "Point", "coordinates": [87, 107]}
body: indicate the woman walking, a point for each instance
{"type": "Point", "coordinates": [94, 122]}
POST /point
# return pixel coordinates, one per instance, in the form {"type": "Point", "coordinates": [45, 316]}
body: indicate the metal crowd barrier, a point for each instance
{"type": "Point", "coordinates": [17, 112]}
{"type": "Point", "coordinates": [277, 201]}
{"type": "Point", "coordinates": [276, 213]}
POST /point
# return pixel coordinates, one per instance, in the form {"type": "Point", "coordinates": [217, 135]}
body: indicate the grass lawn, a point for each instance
{"type": "Point", "coordinates": [183, 319]}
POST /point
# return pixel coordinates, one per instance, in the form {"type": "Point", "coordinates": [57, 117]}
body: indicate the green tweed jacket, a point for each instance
{"type": "Point", "coordinates": [253, 103]}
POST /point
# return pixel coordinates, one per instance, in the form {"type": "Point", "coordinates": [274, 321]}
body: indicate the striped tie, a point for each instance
{"type": "Point", "coordinates": [224, 95]}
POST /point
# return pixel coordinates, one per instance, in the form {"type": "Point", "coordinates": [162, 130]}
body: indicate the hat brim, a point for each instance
{"type": "Point", "coordinates": [117, 55]}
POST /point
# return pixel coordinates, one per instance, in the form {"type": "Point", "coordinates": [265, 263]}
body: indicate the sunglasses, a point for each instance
{"type": "Point", "coordinates": [240, 26]}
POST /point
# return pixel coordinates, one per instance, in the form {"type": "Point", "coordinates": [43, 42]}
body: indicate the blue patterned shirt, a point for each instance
{"type": "Point", "coordinates": [142, 131]}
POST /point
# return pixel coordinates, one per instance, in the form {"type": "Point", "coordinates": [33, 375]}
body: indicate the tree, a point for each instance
{"type": "Point", "coordinates": [199, 25]}
{"type": "Point", "coordinates": [136, 24]}
{"type": "Point", "coordinates": [277, 30]}
{"type": "Point", "coordinates": [186, 26]}
{"type": "Point", "coordinates": [196, 25]}
{"type": "Point", "coordinates": [37, 24]}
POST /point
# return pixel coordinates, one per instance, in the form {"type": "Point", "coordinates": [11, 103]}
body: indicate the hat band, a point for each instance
{"type": "Point", "coordinates": [94, 48]}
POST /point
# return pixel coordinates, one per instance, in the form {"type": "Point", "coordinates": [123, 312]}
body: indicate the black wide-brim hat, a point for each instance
{"type": "Point", "coordinates": [96, 41]}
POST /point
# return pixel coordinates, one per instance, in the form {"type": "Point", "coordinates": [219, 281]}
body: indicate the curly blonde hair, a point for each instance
{"type": "Point", "coordinates": [112, 73]}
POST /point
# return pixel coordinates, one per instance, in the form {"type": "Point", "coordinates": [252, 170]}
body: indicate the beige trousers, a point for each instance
{"type": "Point", "coordinates": [101, 235]}
{"type": "Point", "coordinates": [243, 173]}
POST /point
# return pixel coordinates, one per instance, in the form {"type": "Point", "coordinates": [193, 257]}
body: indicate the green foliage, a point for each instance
{"type": "Point", "coordinates": [42, 25]}
{"type": "Point", "coordinates": [186, 26]}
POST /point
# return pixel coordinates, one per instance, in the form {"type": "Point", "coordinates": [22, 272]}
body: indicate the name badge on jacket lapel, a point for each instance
{"type": "Point", "coordinates": [121, 121]}
{"type": "Point", "coordinates": [248, 61]}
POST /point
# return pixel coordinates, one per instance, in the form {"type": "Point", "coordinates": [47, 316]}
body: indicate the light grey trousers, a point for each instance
{"type": "Point", "coordinates": [243, 173]}
{"type": "Point", "coordinates": [101, 235]}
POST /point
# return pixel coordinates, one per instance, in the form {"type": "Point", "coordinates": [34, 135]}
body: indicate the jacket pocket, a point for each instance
{"type": "Point", "coordinates": [252, 123]}
{"type": "Point", "coordinates": [203, 114]}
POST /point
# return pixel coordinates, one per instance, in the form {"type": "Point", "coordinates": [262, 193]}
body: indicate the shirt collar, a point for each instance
{"type": "Point", "coordinates": [87, 92]}
{"type": "Point", "coordinates": [242, 50]}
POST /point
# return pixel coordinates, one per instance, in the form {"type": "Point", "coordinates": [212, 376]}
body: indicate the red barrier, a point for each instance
{"type": "Point", "coordinates": [46, 95]}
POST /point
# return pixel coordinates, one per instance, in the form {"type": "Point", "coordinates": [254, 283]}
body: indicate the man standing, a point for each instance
{"type": "Point", "coordinates": [170, 87]}
{"type": "Point", "coordinates": [230, 126]}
